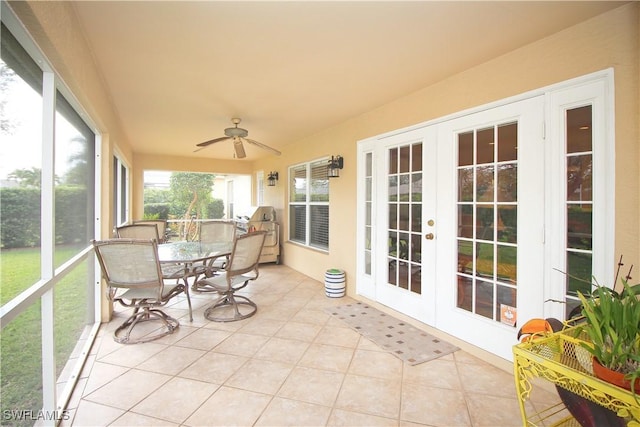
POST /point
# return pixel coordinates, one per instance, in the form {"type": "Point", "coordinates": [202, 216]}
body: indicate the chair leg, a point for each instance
{"type": "Point", "coordinates": [144, 315]}
{"type": "Point", "coordinates": [234, 302]}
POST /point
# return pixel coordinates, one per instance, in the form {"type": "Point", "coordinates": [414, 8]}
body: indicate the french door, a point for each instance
{"type": "Point", "coordinates": [491, 223]}
{"type": "Point", "coordinates": [477, 223]}
{"type": "Point", "coordinates": [453, 230]}
{"type": "Point", "coordinates": [406, 259]}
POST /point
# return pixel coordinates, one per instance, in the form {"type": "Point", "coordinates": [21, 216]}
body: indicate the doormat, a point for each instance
{"type": "Point", "coordinates": [399, 338]}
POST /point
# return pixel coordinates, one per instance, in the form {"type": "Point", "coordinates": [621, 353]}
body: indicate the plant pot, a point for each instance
{"type": "Point", "coordinates": [613, 377]}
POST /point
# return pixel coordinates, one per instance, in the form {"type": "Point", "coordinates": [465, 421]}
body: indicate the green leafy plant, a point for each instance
{"type": "Point", "coordinates": [612, 323]}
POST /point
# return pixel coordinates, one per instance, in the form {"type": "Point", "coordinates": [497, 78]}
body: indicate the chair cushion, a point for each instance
{"type": "Point", "coordinates": [220, 282]}
{"type": "Point", "coordinates": [148, 293]}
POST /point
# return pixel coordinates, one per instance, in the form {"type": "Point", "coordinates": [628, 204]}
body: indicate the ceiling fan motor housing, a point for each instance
{"type": "Point", "coordinates": [236, 132]}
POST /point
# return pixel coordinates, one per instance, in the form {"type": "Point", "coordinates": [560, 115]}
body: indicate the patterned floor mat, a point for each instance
{"type": "Point", "coordinates": [399, 338]}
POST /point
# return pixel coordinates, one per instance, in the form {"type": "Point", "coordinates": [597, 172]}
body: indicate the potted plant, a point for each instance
{"type": "Point", "coordinates": [612, 324]}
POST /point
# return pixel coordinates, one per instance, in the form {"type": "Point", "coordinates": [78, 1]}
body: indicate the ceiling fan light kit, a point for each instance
{"type": "Point", "coordinates": [238, 135]}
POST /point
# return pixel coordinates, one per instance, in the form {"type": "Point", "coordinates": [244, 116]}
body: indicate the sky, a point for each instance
{"type": "Point", "coordinates": [21, 148]}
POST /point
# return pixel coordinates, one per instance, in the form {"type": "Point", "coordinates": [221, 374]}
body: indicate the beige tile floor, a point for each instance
{"type": "Point", "coordinates": [289, 365]}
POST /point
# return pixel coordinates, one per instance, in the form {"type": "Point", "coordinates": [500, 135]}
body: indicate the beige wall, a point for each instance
{"type": "Point", "coordinates": [609, 40]}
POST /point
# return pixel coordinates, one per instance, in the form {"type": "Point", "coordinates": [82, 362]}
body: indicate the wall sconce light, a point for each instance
{"type": "Point", "coordinates": [335, 164]}
{"type": "Point", "coordinates": [272, 178]}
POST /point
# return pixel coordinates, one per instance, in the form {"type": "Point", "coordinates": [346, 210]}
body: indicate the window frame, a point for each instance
{"type": "Point", "coordinates": [308, 204]}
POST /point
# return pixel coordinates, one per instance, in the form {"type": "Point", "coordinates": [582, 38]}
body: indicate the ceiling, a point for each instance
{"type": "Point", "coordinates": [177, 72]}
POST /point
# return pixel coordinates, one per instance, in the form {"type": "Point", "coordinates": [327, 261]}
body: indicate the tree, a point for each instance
{"type": "Point", "coordinates": [7, 78]}
{"type": "Point", "coordinates": [27, 178]}
{"type": "Point", "coordinates": [191, 192]}
{"type": "Point", "coordinates": [78, 172]}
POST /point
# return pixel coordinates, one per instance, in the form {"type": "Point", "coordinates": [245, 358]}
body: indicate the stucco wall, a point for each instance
{"type": "Point", "coordinates": [609, 40]}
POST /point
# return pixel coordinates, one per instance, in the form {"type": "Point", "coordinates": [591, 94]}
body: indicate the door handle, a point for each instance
{"type": "Point", "coordinates": [429, 236]}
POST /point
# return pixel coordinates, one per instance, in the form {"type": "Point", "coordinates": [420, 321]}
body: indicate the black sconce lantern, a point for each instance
{"type": "Point", "coordinates": [272, 178]}
{"type": "Point", "coordinates": [335, 164]}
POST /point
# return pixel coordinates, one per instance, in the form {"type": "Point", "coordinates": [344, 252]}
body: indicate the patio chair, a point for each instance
{"type": "Point", "coordinates": [150, 232]}
{"type": "Point", "coordinates": [241, 268]}
{"type": "Point", "coordinates": [213, 232]}
{"type": "Point", "coordinates": [160, 223]}
{"type": "Point", "coordinates": [138, 231]}
{"type": "Point", "coordinates": [134, 278]}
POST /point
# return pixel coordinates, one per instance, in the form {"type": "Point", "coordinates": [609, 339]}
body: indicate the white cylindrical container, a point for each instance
{"type": "Point", "coordinates": [334, 283]}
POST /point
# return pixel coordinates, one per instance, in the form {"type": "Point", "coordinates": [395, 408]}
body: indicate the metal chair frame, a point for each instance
{"type": "Point", "coordinates": [138, 231]}
{"type": "Point", "coordinates": [213, 232]}
{"type": "Point", "coordinates": [240, 270]}
{"type": "Point", "coordinates": [160, 223]}
{"type": "Point", "coordinates": [132, 266]}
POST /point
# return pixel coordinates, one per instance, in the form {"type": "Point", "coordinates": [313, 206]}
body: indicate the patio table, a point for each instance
{"type": "Point", "coordinates": [185, 254]}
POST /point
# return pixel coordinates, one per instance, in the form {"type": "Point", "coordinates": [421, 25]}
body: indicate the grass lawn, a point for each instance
{"type": "Point", "coordinates": [20, 343]}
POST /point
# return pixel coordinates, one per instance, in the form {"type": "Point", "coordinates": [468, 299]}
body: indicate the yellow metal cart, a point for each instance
{"type": "Point", "coordinates": [558, 358]}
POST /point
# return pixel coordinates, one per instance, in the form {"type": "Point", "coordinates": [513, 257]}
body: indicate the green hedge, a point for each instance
{"type": "Point", "coordinates": [20, 216]}
{"type": "Point", "coordinates": [156, 210]}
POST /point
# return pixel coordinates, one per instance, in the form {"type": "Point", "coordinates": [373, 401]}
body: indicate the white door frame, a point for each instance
{"type": "Point", "coordinates": [601, 84]}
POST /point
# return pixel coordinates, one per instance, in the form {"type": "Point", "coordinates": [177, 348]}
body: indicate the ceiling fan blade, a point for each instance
{"type": "Point", "coordinates": [204, 144]}
{"type": "Point", "coordinates": [264, 147]}
{"type": "Point", "coordinates": [239, 148]}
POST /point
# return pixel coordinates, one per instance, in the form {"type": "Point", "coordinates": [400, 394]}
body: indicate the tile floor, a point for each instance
{"type": "Point", "coordinates": [289, 365]}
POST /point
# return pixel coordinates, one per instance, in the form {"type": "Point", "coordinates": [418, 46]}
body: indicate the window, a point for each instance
{"type": "Point", "coordinates": [309, 204]}
{"type": "Point", "coordinates": [120, 192]}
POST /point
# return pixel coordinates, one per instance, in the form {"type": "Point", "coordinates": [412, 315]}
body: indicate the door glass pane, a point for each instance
{"type": "Point", "coordinates": [368, 208]}
{"type": "Point", "coordinates": [465, 149]}
{"type": "Point", "coordinates": [579, 224]}
{"type": "Point", "coordinates": [416, 157]}
{"type": "Point", "coordinates": [508, 142]}
{"type": "Point", "coordinates": [484, 224]}
{"type": "Point", "coordinates": [484, 299]}
{"type": "Point", "coordinates": [393, 160]}
{"type": "Point", "coordinates": [404, 209]}
{"type": "Point", "coordinates": [485, 146]}
{"type": "Point", "coordinates": [465, 185]}
{"type": "Point", "coordinates": [403, 217]}
{"type": "Point", "coordinates": [404, 159]}
{"type": "Point", "coordinates": [416, 218]}
{"type": "Point", "coordinates": [579, 178]}
{"type": "Point", "coordinates": [416, 187]}
{"type": "Point", "coordinates": [507, 268]}
{"type": "Point", "coordinates": [465, 221]}
{"type": "Point", "coordinates": [484, 260]}
{"type": "Point", "coordinates": [508, 182]}
{"type": "Point", "coordinates": [579, 272]}
{"type": "Point", "coordinates": [484, 184]}
{"type": "Point", "coordinates": [507, 223]}
{"type": "Point", "coordinates": [487, 221]}
{"type": "Point", "coordinates": [579, 203]}
{"type": "Point", "coordinates": [579, 129]}
{"type": "Point", "coordinates": [393, 216]}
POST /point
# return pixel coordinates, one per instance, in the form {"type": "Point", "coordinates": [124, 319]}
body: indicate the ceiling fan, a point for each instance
{"type": "Point", "coordinates": [238, 135]}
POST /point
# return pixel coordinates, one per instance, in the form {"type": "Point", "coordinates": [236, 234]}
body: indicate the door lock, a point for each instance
{"type": "Point", "coordinates": [429, 236]}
